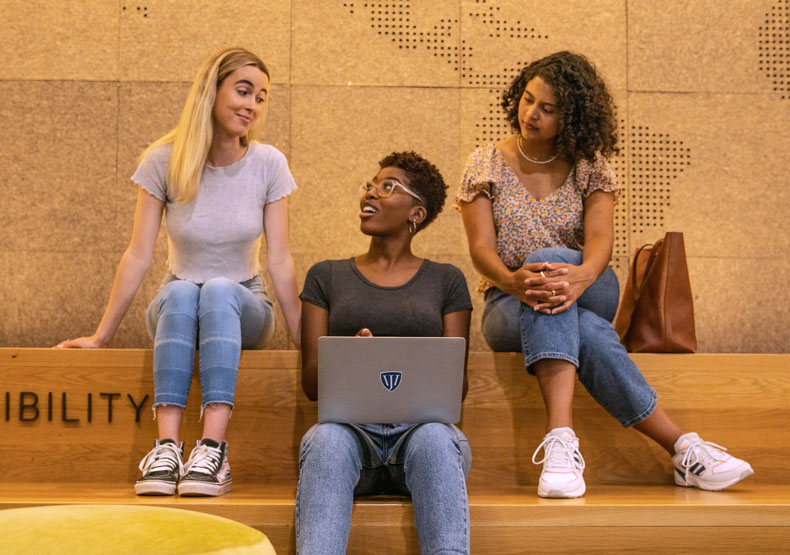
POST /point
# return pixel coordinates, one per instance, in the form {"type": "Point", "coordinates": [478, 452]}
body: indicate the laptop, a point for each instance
{"type": "Point", "coordinates": [368, 380]}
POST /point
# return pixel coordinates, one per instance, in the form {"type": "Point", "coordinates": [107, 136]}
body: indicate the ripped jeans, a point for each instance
{"type": "Point", "coordinates": [220, 317]}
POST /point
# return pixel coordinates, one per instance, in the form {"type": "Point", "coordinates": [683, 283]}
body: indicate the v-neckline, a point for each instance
{"type": "Point", "coordinates": [514, 175]}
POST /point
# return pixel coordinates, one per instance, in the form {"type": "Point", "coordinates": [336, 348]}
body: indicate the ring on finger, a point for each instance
{"type": "Point", "coordinates": [542, 274]}
{"type": "Point", "coordinates": [553, 293]}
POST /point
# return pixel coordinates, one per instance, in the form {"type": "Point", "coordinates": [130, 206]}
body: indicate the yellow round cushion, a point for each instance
{"type": "Point", "coordinates": [124, 529]}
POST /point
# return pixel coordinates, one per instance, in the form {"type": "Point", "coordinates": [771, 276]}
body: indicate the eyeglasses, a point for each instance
{"type": "Point", "coordinates": [384, 189]}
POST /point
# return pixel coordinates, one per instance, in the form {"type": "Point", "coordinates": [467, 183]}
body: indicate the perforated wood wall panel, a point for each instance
{"type": "Point", "coordinates": [774, 49]}
{"type": "Point", "coordinates": [702, 91]}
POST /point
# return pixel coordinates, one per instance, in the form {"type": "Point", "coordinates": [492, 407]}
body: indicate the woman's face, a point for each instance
{"type": "Point", "coordinates": [538, 113]}
{"type": "Point", "coordinates": [240, 101]}
{"type": "Point", "coordinates": [387, 215]}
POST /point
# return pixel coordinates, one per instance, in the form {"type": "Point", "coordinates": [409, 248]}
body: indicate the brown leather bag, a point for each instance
{"type": "Point", "coordinates": [657, 311]}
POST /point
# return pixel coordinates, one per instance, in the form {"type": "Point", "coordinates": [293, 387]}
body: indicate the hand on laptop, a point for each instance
{"type": "Point", "coordinates": [364, 332]}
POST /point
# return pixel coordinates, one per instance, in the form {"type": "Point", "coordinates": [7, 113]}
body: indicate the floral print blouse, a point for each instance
{"type": "Point", "coordinates": [522, 223]}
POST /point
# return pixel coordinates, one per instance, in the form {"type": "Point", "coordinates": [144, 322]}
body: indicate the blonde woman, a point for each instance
{"type": "Point", "coordinates": [221, 192]}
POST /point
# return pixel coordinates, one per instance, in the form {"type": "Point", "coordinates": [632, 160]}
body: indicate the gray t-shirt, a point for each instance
{"type": "Point", "coordinates": [218, 234]}
{"type": "Point", "coordinates": [414, 309]}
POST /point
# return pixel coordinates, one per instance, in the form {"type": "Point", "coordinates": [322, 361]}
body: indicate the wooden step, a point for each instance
{"type": "Point", "coordinates": [87, 437]}
{"type": "Point", "coordinates": [739, 401]}
{"type": "Point", "coordinates": [609, 519]}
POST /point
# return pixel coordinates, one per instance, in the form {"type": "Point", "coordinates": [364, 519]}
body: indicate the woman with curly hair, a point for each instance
{"type": "Point", "coordinates": [385, 291]}
{"type": "Point", "coordinates": [538, 209]}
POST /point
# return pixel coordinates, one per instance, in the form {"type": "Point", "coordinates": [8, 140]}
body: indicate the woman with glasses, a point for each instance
{"type": "Point", "coordinates": [385, 291]}
{"type": "Point", "coordinates": [538, 208]}
{"type": "Point", "coordinates": [221, 192]}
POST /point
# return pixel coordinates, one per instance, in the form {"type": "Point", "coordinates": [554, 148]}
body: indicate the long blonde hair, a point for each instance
{"type": "Point", "coordinates": [192, 137]}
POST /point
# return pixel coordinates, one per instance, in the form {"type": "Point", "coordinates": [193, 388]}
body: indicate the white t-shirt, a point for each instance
{"type": "Point", "coordinates": [218, 234]}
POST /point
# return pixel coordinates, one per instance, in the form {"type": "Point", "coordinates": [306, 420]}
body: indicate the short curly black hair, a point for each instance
{"type": "Point", "coordinates": [587, 113]}
{"type": "Point", "coordinates": [425, 179]}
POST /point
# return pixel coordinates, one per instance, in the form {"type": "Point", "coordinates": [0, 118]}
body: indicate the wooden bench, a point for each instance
{"type": "Point", "coordinates": [76, 423]}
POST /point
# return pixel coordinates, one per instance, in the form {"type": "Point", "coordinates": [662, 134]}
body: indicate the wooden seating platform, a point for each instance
{"type": "Point", "coordinates": [76, 423]}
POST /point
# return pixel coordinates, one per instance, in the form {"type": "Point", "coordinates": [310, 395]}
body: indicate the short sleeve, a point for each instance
{"type": "Point", "coordinates": [317, 285]}
{"type": "Point", "coordinates": [456, 293]}
{"type": "Point", "coordinates": [279, 181]}
{"type": "Point", "coordinates": [479, 176]}
{"type": "Point", "coordinates": [598, 176]}
{"type": "Point", "coordinates": [151, 174]}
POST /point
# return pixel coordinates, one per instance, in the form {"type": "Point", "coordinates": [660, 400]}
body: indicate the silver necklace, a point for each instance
{"type": "Point", "coordinates": [533, 160]}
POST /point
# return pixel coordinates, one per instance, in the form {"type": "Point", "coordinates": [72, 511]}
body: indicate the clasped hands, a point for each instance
{"type": "Point", "coordinates": [549, 287]}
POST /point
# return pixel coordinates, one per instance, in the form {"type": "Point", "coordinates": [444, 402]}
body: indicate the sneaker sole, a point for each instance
{"type": "Point", "coordinates": [693, 482]}
{"type": "Point", "coordinates": [559, 494]}
{"type": "Point", "coordinates": [200, 489]}
{"type": "Point", "coordinates": [154, 488]}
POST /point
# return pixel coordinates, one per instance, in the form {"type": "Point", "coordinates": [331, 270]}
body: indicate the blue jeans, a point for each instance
{"type": "Point", "coordinates": [340, 461]}
{"type": "Point", "coordinates": [582, 335]}
{"type": "Point", "coordinates": [220, 317]}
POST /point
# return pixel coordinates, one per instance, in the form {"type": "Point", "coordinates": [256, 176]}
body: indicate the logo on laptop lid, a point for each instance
{"type": "Point", "coordinates": [391, 380]}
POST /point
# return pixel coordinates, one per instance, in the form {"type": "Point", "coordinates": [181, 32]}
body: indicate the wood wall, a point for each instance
{"type": "Point", "coordinates": [702, 95]}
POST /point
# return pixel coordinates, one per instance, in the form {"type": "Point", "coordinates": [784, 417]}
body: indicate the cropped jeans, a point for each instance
{"type": "Point", "coordinates": [430, 462]}
{"type": "Point", "coordinates": [220, 317]}
{"type": "Point", "coordinates": [583, 335]}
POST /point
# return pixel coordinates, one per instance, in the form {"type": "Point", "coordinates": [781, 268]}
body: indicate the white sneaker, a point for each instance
{"type": "Point", "coordinates": [563, 465]}
{"type": "Point", "coordinates": [705, 465]}
{"type": "Point", "coordinates": [161, 468]}
{"type": "Point", "coordinates": [207, 471]}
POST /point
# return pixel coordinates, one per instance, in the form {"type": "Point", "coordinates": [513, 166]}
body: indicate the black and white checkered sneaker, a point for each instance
{"type": "Point", "coordinates": [161, 469]}
{"type": "Point", "coordinates": [207, 472]}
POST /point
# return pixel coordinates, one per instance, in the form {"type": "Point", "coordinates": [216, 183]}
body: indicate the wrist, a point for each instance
{"type": "Point", "coordinates": [589, 273]}
{"type": "Point", "coordinates": [510, 282]}
{"type": "Point", "coordinates": [101, 339]}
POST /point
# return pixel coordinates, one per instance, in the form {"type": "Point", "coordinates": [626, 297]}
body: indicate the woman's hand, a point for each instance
{"type": "Point", "coordinates": [364, 332]}
{"type": "Point", "coordinates": [532, 283]}
{"type": "Point", "coordinates": [557, 295]}
{"type": "Point", "coordinates": [91, 342]}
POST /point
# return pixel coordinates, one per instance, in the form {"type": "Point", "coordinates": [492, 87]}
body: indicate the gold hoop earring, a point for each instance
{"type": "Point", "coordinates": [412, 227]}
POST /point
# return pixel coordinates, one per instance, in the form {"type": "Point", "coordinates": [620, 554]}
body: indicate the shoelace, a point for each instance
{"type": "Point", "coordinates": [702, 451]}
{"type": "Point", "coordinates": [165, 457]}
{"type": "Point", "coordinates": [204, 459]}
{"type": "Point", "coordinates": [560, 453]}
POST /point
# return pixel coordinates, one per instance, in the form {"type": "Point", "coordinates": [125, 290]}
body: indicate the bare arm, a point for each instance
{"type": "Point", "coordinates": [598, 232]}
{"type": "Point", "coordinates": [130, 273]}
{"type": "Point", "coordinates": [280, 264]}
{"type": "Point", "coordinates": [456, 324]}
{"type": "Point", "coordinates": [478, 218]}
{"type": "Point", "coordinates": [315, 322]}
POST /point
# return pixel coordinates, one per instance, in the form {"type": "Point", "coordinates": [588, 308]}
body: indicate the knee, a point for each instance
{"type": "Point", "coordinates": [555, 254]}
{"type": "Point", "coordinates": [327, 443]}
{"type": "Point", "coordinates": [432, 440]}
{"type": "Point", "coordinates": [179, 297]}
{"type": "Point", "coordinates": [438, 447]}
{"type": "Point", "coordinates": [501, 324]}
{"type": "Point", "coordinates": [218, 292]}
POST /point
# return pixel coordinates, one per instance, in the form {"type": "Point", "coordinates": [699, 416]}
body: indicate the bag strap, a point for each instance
{"type": "Point", "coordinates": [653, 252]}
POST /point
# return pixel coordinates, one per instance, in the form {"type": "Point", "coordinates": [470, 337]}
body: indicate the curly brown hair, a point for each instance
{"type": "Point", "coordinates": [424, 179]}
{"type": "Point", "coordinates": [586, 110]}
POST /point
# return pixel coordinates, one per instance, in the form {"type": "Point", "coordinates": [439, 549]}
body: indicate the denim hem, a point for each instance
{"type": "Point", "coordinates": [644, 414]}
{"type": "Point", "coordinates": [204, 405]}
{"type": "Point", "coordinates": [182, 405]}
{"type": "Point", "coordinates": [160, 404]}
{"type": "Point", "coordinates": [532, 359]}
